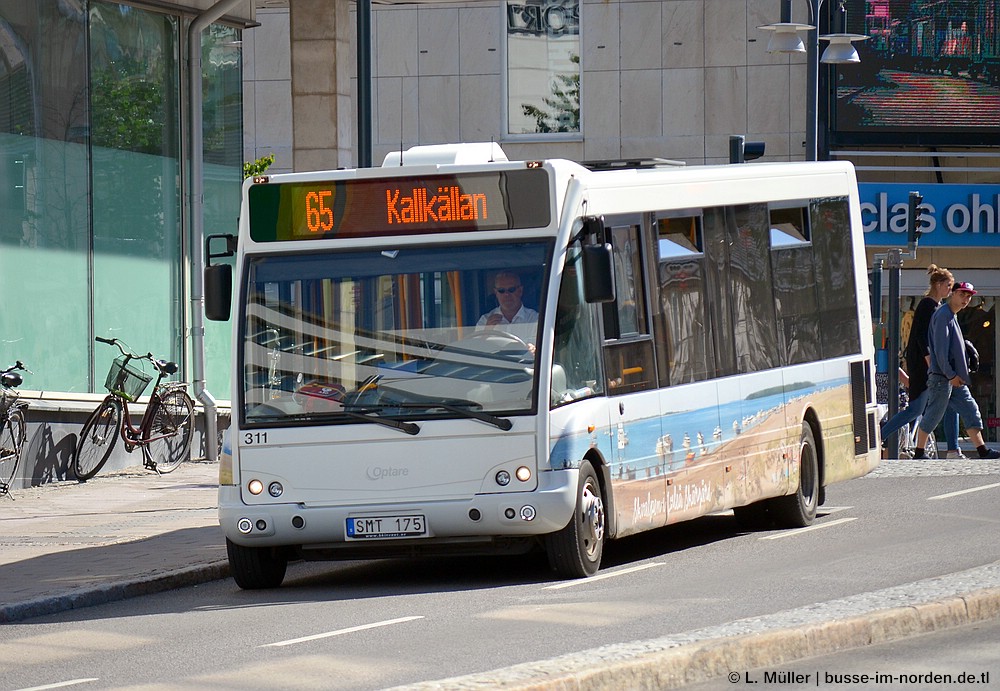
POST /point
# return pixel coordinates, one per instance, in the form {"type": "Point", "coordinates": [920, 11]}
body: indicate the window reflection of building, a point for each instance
{"type": "Point", "coordinates": [543, 66]}
{"type": "Point", "coordinates": [793, 268]}
{"type": "Point", "coordinates": [90, 137]}
{"type": "Point", "coordinates": [686, 349]}
{"type": "Point", "coordinates": [723, 308]}
{"type": "Point", "coordinates": [575, 352]}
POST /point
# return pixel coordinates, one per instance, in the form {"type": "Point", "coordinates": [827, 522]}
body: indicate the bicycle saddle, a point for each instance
{"type": "Point", "coordinates": [166, 367]}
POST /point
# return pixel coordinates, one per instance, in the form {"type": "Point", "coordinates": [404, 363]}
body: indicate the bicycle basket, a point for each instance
{"type": "Point", "coordinates": [127, 379]}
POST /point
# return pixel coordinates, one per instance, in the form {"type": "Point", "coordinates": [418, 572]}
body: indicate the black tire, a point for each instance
{"type": "Point", "coordinates": [576, 550]}
{"type": "Point", "coordinates": [171, 431]}
{"type": "Point", "coordinates": [11, 443]}
{"type": "Point", "coordinates": [256, 568]}
{"type": "Point", "coordinates": [799, 510]}
{"type": "Point", "coordinates": [97, 439]}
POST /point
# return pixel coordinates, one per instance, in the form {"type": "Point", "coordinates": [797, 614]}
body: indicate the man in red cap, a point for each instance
{"type": "Point", "coordinates": [948, 375]}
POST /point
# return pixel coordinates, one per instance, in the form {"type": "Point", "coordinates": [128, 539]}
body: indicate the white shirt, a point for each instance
{"type": "Point", "coordinates": [523, 325]}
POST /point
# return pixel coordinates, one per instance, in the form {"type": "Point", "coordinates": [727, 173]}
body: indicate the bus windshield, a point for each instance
{"type": "Point", "coordinates": [393, 333]}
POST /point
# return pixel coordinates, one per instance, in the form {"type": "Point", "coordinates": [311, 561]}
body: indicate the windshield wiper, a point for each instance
{"type": "Point", "coordinates": [367, 414]}
{"type": "Point", "coordinates": [464, 409]}
{"type": "Point", "coordinates": [363, 413]}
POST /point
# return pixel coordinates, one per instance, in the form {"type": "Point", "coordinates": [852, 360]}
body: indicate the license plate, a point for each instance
{"type": "Point", "coordinates": [382, 527]}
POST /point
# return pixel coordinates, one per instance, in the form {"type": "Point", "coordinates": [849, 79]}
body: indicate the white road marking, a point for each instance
{"type": "Point", "coordinates": [799, 531]}
{"type": "Point", "coordinates": [827, 510]}
{"type": "Point", "coordinates": [61, 684]}
{"type": "Point", "coordinates": [949, 495]}
{"type": "Point", "coordinates": [340, 632]}
{"type": "Point", "coordinates": [600, 577]}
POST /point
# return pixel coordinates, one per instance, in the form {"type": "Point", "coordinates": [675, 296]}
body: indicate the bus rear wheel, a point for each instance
{"type": "Point", "coordinates": [576, 550]}
{"type": "Point", "coordinates": [799, 510]}
{"type": "Point", "coordinates": [255, 568]}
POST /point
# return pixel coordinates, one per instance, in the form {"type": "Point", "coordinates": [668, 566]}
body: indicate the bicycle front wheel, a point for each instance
{"type": "Point", "coordinates": [97, 440]}
{"type": "Point", "coordinates": [11, 442]}
{"type": "Point", "coordinates": [171, 432]}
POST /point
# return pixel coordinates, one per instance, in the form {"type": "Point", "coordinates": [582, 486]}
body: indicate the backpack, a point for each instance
{"type": "Point", "coordinates": [971, 356]}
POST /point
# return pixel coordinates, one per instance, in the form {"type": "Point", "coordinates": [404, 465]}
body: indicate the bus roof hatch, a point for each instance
{"type": "Point", "coordinates": [445, 154]}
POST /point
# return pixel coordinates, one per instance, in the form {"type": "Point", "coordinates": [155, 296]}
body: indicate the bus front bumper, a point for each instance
{"type": "Point", "coordinates": [484, 519]}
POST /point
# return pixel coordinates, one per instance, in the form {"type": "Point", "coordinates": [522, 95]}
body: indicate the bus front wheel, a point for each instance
{"type": "Point", "coordinates": [575, 551]}
{"type": "Point", "coordinates": [254, 568]}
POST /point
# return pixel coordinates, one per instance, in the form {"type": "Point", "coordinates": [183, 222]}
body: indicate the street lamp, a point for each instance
{"type": "Point", "coordinates": [786, 39]}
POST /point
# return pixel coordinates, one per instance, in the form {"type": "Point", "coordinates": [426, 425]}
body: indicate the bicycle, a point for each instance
{"type": "Point", "coordinates": [12, 424]}
{"type": "Point", "coordinates": [165, 432]}
{"type": "Point", "coordinates": [907, 440]}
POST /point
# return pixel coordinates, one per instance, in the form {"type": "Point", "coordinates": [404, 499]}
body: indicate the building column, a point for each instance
{"type": "Point", "coordinates": [320, 34]}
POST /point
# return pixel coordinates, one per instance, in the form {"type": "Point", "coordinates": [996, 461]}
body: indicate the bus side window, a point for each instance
{"type": "Point", "coordinates": [628, 348]}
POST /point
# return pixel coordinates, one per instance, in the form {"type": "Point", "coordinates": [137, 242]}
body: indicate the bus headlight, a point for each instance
{"type": "Point", "coordinates": [275, 489]}
{"type": "Point", "coordinates": [255, 487]}
{"type": "Point", "coordinates": [503, 478]}
{"type": "Point", "coordinates": [523, 473]}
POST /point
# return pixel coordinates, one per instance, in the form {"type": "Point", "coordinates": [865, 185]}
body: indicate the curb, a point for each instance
{"type": "Point", "coordinates": [147, 585]}
{"type": "Point", "coordinates": [667, 665]}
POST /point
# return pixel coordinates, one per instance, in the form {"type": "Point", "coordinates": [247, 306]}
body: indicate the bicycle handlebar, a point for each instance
{"type": "Point", "coordinates": [161, 365]}
{"type": "Point", "coordinates": [16, 366]}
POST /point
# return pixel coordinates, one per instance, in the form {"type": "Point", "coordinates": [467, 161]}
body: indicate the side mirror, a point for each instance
{"type": "Point", "coordinates": [218, 292]}
{"type": "Point", "coordinates": [219, 279]}
{"type": "Point", "coordinates": [598, 273]}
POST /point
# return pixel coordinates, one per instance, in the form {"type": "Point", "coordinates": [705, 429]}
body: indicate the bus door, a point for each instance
{"type": "Point", "coordinates": [637, 470]}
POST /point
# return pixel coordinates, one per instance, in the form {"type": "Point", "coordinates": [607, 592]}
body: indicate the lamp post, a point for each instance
{"type": "Point", "coordinates": [364, 28]}
{"type": "Point", "coordinates": [786, 39]}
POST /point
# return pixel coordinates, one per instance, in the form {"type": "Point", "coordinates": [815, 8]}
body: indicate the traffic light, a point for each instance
{"type": "Point", "coordinates": [741, 151]}
{"type": "Point", "coordinates": [915, 224]}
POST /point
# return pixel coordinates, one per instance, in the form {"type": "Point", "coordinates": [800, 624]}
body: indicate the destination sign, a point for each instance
{"type": "Point", "coordinates": [412, 205]}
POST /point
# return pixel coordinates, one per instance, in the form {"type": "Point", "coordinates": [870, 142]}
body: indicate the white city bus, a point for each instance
{"type": "Point", "coordinates": [697, 339]}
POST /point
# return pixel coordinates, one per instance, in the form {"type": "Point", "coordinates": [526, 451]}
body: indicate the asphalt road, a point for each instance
{"type": "Point", "coordinates": [376, 624]}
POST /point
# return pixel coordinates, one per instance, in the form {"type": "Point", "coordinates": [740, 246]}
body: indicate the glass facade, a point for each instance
{"type": "Point", "coordinates": [543, 66]}
{"type": "Point", "coordinates": [92, 224]}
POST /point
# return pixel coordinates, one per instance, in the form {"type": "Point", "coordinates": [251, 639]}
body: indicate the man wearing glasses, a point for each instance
{"type": "Point", "coordinates": [510, 315]}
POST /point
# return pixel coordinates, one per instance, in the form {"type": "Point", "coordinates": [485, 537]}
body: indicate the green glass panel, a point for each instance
{"type": "Point", "coordinates": [222, 92]}
{"type": "Point", "coordinates": [137, 291]}
{"type": "Point", "coordinates": [43, 194]}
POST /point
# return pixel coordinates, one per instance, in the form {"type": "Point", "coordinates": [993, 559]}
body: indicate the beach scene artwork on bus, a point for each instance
{"type": "Point", "coordinates": [458, 353]}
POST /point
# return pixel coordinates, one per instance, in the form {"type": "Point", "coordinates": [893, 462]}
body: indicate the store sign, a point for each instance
{"type": "Point", "coordinates": [953, 215]}
{"type": "Point", "coordinates": [549, 18]}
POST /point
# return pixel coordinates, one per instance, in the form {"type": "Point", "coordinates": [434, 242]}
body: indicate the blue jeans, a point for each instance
{"type": "Point", "coordinates": [941, 395]}
{"type": "Point", "coordinates": [916, 408]}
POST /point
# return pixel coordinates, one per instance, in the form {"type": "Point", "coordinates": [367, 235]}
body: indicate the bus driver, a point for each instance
{"type": "Point", "coordinates": [511, 315]}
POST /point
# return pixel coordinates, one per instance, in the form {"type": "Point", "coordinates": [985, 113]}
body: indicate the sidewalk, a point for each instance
{"type": "Point", "coordinates": [65, 545]}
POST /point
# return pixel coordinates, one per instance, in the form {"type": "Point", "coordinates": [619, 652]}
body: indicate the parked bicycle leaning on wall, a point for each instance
{"type": "Point", "coordinates": [166, 430]}
{"type": "Point", "coordinates": [12, 424]}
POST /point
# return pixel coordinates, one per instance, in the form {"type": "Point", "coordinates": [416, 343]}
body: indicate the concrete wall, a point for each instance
{"type": "Point", "coordinates": [666, 78]}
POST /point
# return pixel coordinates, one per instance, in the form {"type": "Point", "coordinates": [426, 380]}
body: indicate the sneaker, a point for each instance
{"type": "Point", "coordinates": [918, 454]}
{"type": "Point", "coordinates": [956, 455]}
{"type": "Point", "coordinates": [989, 453]}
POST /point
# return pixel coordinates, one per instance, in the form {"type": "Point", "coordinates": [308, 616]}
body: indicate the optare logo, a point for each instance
{"type": "Point", "coordinates": [378, 472]}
